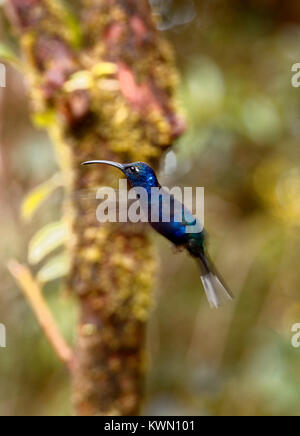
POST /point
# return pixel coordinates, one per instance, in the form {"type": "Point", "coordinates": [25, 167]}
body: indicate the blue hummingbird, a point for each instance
{"type": "Point", "coordinates": [178, 231]}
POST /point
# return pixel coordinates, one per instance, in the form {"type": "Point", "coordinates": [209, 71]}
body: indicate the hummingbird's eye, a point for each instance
{"type": "Point", "coordinates": [134, 170]}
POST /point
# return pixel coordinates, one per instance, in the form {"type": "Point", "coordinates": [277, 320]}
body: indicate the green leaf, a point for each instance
{"type": "Point", "coordinates": [7, 54]}
{"type": "Point", "coordinates": [72, 24]}
{"type": "Point", "coordinates": [75, 30]}
{"type": "Point", "coordinates": [47, 240]}
{"type": "Point", "coordinates": [54, 269]}
{"type": "Point", "coordinates": [38, 196]}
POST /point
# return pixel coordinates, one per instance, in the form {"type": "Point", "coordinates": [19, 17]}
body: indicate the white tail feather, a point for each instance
{"type": "Point", "coordinates": [215, 291]}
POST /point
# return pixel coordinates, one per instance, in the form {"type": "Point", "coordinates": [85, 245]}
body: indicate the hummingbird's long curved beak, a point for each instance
{"type": "Point", "coordinates": [105, 162]}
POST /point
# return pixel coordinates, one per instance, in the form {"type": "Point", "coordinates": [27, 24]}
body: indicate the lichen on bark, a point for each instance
{"type": "Point", "coordinates": [110, 97]}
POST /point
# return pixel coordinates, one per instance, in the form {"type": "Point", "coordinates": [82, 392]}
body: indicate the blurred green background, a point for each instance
{"type": "Point", "coordinates": [242, 145]}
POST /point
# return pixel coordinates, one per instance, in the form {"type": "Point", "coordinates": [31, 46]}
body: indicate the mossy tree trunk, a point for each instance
{"type": "Point", "coordinates": [105, 94]}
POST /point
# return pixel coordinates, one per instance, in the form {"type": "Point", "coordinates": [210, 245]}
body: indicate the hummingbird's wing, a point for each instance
{"type": "Point", "coordinates": [92, 194]}
{"type": "Point", "coordinates": [178, 212]}
{"type": "Point", "coordinates": [165, 209]}
{"type": "Point", "coordinates": [173, 13]}
{"type": "Point", "coordinates": [83, 194]}
{"type": "Point", "coordinates": [88, 203]}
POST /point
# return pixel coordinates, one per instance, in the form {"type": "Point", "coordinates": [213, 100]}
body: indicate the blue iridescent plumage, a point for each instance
{"type": "Point", "coordinates": [177, 228]}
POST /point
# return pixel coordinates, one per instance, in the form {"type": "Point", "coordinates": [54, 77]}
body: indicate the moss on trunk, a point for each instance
{"type": "Point", "coordinates": [105, 94]}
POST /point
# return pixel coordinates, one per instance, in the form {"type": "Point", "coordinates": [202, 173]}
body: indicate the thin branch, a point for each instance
{"type": "Point", "coordinates": [32, 291]}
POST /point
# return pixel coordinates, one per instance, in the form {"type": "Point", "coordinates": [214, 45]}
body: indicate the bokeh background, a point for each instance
{"type": "Point", "coordinates": [242, 145]}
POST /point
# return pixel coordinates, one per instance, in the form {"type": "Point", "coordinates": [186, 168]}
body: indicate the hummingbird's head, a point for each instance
{"type": "Point", "coordinates": [139, 174]}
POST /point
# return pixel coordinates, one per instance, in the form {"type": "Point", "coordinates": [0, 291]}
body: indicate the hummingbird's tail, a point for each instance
{"type": "Point", "coordinates": [215, 290]}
